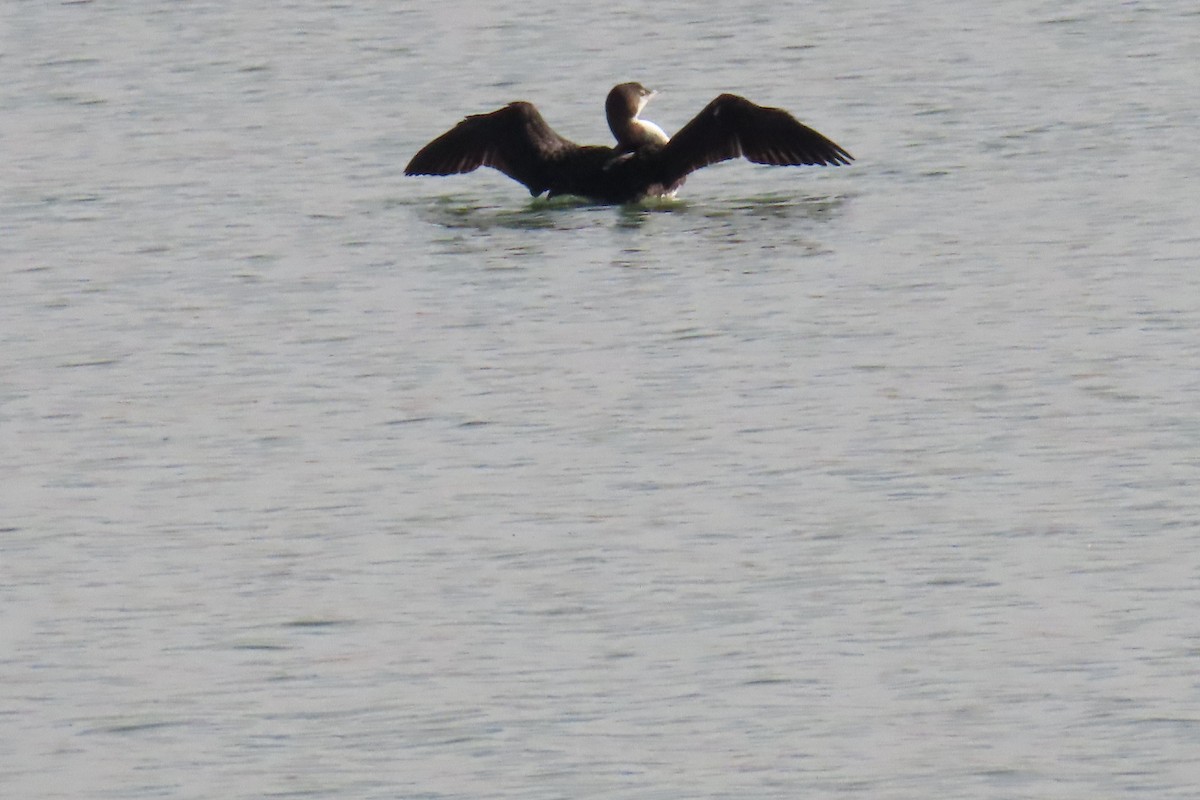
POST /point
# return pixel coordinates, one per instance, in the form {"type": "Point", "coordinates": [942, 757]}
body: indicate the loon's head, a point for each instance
{"type": "Point", "coordinates": [624, 103]}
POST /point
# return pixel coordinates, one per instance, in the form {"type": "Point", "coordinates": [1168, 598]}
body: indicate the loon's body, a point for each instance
{"type": "Point", "coordinates": [644, 163]}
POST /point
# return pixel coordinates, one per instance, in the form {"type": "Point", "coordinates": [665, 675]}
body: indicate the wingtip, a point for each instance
{"type": "Point", "coordinates": [417, 164]}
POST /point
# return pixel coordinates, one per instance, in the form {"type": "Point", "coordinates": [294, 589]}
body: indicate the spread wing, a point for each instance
{"type": "Point", "coordinates": [732, 126]}
{"type": "Point", "coordinates": [514, 139]}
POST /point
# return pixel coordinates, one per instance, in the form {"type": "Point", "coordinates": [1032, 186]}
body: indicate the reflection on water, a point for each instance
{"type": "Point", "coordinates": [459, 211]}
{"type": "Point", "coordinates": [572, 213]}
{"type": "Point", "coordinates": [320, 480]}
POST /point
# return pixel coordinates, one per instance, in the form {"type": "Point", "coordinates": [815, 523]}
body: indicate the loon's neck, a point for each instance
{"type": "Point", "coordinates": [632, 133]}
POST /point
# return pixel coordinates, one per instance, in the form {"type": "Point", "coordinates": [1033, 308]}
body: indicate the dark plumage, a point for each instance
{"type": "Point", "coordinates": [518, 142]}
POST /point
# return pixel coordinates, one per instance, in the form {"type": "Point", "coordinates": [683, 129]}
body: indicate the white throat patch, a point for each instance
{"type": "Point", "coordinates": [652, 131]}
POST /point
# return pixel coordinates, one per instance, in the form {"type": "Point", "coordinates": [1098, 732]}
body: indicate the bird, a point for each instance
{"type": "Point", "coordinates": [644, 164]}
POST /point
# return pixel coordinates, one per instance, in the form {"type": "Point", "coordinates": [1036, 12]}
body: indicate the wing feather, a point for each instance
{"type": "Point", "coordinates": [732, 126]}
{"type": "Point", "coordinates": [515, 140]}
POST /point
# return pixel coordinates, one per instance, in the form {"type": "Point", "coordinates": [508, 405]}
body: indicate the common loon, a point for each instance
{"type": "Point", "coordinates": [644, 163]}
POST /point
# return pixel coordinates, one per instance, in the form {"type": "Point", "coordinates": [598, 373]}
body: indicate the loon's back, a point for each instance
{"type": "Point", "coordinates": [610, 176]}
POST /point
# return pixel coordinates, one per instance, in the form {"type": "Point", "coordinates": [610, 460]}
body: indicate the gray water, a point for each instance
{"type": "Point", "coordinates": [876, 481]}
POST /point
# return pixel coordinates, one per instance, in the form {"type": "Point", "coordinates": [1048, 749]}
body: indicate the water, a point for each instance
{"type": "Point", "coordinates": [874, 481]}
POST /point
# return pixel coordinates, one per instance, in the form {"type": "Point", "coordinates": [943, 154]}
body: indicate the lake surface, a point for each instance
{"type": "Point", "coordinates": [877, 481]}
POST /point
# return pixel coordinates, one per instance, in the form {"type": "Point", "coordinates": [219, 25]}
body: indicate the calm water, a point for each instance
{"type": "Point", "coordinates": [869, 482]}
